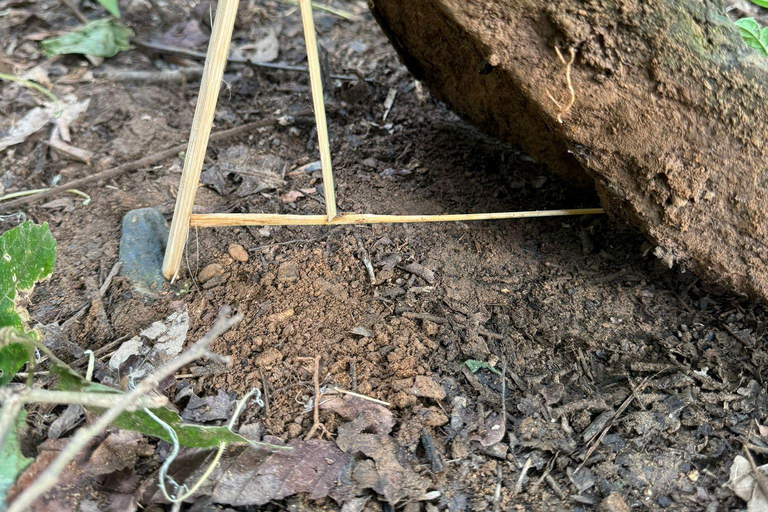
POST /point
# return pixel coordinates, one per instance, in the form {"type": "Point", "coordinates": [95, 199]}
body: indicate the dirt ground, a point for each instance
{"type": "Point", "coordinates": [589, 329]}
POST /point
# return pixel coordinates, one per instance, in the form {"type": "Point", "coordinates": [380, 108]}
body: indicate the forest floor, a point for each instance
{"type": "Point", "coordinates": [625, 384]}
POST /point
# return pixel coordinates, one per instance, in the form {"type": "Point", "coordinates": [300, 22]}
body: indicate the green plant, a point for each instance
{"type": "Point", "coordinates": [752, 34]}
{"type": "Point", "coordinates": [761, 3]}
{"type": "Point", "coordinates": [111, 6]}
{"type": "Point", "coordinates": [102, 38]}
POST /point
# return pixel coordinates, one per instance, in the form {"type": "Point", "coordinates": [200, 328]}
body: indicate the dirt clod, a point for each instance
{"type": "Point", "coordinates": [209, 272]}
{"type": "Point", "coordinates": [238, 253]}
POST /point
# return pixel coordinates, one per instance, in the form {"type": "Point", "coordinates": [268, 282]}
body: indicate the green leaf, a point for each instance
{"type": "Point", "coordinates": [102, 38]}
{"type": "Point", "coordinates": [761, 3]}
{"type": "Point", "coordinates": [111, 6]}
{"type": "Point", "coordinates": [189, 434]}
{"type": "Point", "coordinates": [14, 462]}
{"type": "Point", "coordinates": [474, 365]}
{"type": "Point", "coordinates": [27, 255]}
{"type": "Point", "coordinates": [12, 358]}
{"type": "Point", "coordinates": [753, 35]}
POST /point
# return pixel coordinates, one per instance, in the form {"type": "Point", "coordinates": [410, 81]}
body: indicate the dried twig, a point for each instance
{"type": "Point", "coordinates": [82, 437]}
{"type": "Point", "coordinates": [595, 441]}
{"type": "Point", "coordinates": [317, 424]}
{"type": "Point", "coordinates": [152, 77]}
{"type": "Point", "coordinates": [358, 395]}
{"type": "Point", "coordinates": [572, 94]}
{"type": "Point", "coordinates": [233, 60]}
{"type": "Point", "coordinates": [100, 400]}
{"type": "Point", "coordinates": [77, 12]}
{"type": "Point", "coordinates": [147, 161]}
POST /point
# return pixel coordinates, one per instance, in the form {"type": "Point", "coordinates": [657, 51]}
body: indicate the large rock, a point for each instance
{"type": "Point", "coordinates": [669, 120]}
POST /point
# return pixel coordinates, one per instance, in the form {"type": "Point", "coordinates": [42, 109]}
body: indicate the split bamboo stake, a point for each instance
{"type": "Point", "coordinates": [209, 220]}
{"type": "Point", "coordinates": [316, 83]}
{"type": "Point", "coordinates": [215, 62]}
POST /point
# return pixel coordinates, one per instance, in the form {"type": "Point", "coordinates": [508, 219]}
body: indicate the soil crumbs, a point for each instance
{"type": "Point", "coordinates": [625, 384]}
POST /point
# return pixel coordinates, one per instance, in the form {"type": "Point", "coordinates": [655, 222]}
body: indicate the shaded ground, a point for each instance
{"type": "Point", "coordinates": [578, 308]}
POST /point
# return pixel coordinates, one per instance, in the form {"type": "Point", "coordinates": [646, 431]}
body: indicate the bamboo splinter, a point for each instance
{"type": "Point", "coordinates": [215, 61]}
{"type": "Point", "coordinates": [209, 220]}
{"type": "Point", "coordinates": [316, 83]}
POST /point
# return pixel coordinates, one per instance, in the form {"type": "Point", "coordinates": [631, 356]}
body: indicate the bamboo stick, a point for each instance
{"type": "Point", "coordinates": [215, 61]}
{"type": "Point", "coordinates": [209, 220]}
{"type": "Point", "coordinates": [316, 83]}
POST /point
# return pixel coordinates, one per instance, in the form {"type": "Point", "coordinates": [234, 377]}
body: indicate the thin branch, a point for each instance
{"type": "Point", "coordinates": [147, 161]}
{"type": "Point", "coordinates": [50, 476]}
{"type": "Point", "coordinates": [317, 424]}
{"type": "Point", "coordinates": [158, 47]}
{"type": "Point", "coordinates": [100, 400]}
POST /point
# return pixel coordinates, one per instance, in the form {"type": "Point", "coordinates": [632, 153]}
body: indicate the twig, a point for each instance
{"type": "Point", "coordinates": [424, 316]}
{"type": "Point", "coordinates": [595, 441]}
{"type": "Point", "coordinates": [161, 76]}
{"type": "Point", "coordinates": [99, 400]}
{"type": "Point", "coordinates": [524, 471]}
{"type": "Point", "coordinates": [77, 12]}
{"type": "Point", "coordinates": [147, 161]}
{"type": "Point", "coordinates": [233, 60]}
{"type": "Point", "coordinates": [363, 253]}
{"type": "Point", "coordinates": [358, 395]}
{"type": "Point", "coordinates": [265, 386]}
{"type": "Point", "coordinates": [572, 94]}
{"type": "Point", "coordinates": [50, 476]}
{"type": "Point", "coordinates": [317, 425]}
{"type": "Point", "coordinates": [327, 8]}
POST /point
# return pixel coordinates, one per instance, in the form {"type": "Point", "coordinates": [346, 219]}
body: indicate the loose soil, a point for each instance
{"type": "Point", "coordinates": [578, 309]}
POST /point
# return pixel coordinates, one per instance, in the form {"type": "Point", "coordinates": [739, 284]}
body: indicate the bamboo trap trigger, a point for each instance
{"type": "Point", "coordinates": [202, 122]}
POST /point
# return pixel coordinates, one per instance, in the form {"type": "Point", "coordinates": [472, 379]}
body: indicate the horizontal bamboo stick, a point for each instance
{"type": "Point", "coordinates": [209, 220]}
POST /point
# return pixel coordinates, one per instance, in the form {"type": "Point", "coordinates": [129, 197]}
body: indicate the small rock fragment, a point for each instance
{"type": "Point", "coordinates": [268, 357]}
{"type": "Point", "coordinates": [238, 253]}
{"type": "Point", "coordinates": [209, 272]}
{"type": "Point", "coordinates": [287, 272]}
{"type": "Point", "coordinates": [281, 316]}
{"type": "Point", "coordinates": [614, 502]}
{"type": "Point", "coordinates": [142, 248]}
{"type": "Point", "coordinates": [426, 387]}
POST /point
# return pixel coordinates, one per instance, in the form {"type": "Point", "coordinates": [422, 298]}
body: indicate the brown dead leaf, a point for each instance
{"type": "Point", "coordinates": [91, 478]}
{"type": "Point", "coordinates": [291, 196]}
{"type": "Point", "coordinates": [254, 476]}
{"type": "Point", "coordinates": [266, 49]}
{"type": "Point", "coordinates": [386, 473]}
{"type": "Point", "coordinates": [350, 407]}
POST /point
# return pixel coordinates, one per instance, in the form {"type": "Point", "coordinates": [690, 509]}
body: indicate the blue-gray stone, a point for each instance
{"type": "Point", "coordinates": [142, 247]}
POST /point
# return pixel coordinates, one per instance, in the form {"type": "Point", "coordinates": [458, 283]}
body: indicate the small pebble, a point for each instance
{"type": "Point", "coordinates": [238, 253]}
{"type": "Point", "coordinates": [209, 272]}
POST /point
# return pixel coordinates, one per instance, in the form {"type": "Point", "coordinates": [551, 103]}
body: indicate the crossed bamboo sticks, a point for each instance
{"type": "Point", "coordinates": [213, 71]}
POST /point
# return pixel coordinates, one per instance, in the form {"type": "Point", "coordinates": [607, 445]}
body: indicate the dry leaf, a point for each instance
{"type": "Point", "coordinates": [154, 346]}
{"type": "Point", "coordinates": [266, 49]}
{"type": "Point", "coordinates": [744, 485]}
{"type": "Point", "coordinates": [91, 478]}
{"type": "Point", "coordinates": [255, 476]}
{"type": "Point", "coordinates": [291, 196]}
{"type": "Point", "coordinates": [32, 122]}
{"type": "Point", "coordinates": [350, 407]}
{"type": "Point", "coordinates": [385, 473]}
